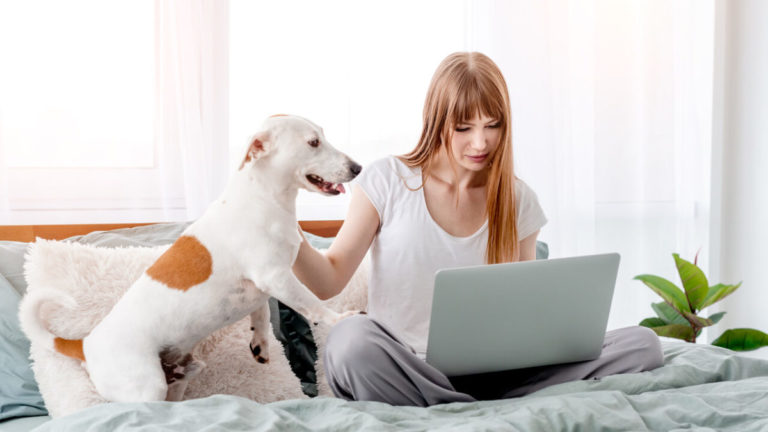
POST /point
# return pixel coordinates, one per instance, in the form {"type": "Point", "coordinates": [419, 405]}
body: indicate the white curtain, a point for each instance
{"type": "Point", "coordinates": [611, 115]}
{"type": "Point", "coordinates": [611, 100]}
{"type": "Point", "coordinates": [740, 157]}
{"type": "Point", "coordinates": [192, 95]}
{"type": "Point", "coordinates": [5, 215]}
{"type": "Point", "coordinates": [129, 126]}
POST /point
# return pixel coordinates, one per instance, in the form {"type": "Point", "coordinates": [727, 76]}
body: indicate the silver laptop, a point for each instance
{"type": "Point", "coordinates": [508, 316]}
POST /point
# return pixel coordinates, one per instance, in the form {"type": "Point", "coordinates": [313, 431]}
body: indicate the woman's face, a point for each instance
{"type": "Point", "coordinates": [474, 142]}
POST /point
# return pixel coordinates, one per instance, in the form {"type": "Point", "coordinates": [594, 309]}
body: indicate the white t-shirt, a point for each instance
{"type": "Point", "coordinates": [410, 247]}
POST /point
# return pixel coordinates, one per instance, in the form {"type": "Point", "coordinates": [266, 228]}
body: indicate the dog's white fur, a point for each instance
{"type": "Point", "coordinates": [97, 277]}
{"type": "Point", "coordinates": [251, 235]}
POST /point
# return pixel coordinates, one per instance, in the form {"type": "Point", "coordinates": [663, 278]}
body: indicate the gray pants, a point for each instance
{"type": "Point", "coordinates": [364, 360]}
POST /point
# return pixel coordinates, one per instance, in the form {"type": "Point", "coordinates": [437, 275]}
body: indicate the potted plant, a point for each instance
{"type": "Point", "coordinates": [678, 313]}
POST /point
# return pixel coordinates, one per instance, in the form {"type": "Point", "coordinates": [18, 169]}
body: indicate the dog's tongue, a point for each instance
{"type": "Point", "coordinates": [333, 187]}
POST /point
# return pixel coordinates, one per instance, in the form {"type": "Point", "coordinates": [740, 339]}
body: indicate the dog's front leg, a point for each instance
{"type": "Point", "coordinates": [260, 328]}
{"type": "Point", "coordinates": [285, 287]}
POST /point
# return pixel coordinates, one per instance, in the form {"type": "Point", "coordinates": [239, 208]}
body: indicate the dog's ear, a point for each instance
{"type": "Point", "coordinates": [258, 147]}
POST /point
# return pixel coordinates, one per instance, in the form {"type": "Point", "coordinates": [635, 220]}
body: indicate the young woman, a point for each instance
{"type": "Point", "coordinates": [453, 201]}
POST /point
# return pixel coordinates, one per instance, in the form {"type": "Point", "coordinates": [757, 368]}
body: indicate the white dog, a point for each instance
{"type": "Point", "coordinates": [223, 267]}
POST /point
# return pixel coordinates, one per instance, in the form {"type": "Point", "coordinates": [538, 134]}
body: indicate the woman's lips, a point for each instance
{"type": "Point", "coordinates": [477, 158]}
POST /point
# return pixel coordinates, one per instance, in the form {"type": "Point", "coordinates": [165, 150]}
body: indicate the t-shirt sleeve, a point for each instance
{"type": "Point", "coordinates": [375, 184]}
{"type": "Point", "coordinates": [530, 215]}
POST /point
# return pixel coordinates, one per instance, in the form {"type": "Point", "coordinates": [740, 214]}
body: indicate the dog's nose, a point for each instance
{"type": "Point", "coordinates": [355, 168]}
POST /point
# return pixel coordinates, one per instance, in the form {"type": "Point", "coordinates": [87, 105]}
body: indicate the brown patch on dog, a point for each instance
{"type": "Point", "coordinates": [69, 347]}
{"type": "Point", "coordinates": [186, 264]}
{"type": "Point", "coordinates": [253, 151]}
{"type": "Point", "coordinates": [278, 115]}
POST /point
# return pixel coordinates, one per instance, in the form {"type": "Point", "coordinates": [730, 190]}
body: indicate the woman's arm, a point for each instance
{"type": "Point", "coordinates": [327, 274]}
{"type": "Point", "coordinates": [528, 247]}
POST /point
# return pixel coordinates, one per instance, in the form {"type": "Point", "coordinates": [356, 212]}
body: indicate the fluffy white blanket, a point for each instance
{"type": "Point", "coordinates": [96, 277]}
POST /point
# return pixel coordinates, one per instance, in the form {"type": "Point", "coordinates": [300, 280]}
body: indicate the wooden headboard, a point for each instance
{"type": "Point", "coordinates": [28, 233]}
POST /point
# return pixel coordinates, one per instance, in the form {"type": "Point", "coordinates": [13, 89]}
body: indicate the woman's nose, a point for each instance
{"type": "Point", "coordinates": [478, 141]}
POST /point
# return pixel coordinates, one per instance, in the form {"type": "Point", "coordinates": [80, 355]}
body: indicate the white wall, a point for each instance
{"type": "Point", "coordinates": [740, 162]}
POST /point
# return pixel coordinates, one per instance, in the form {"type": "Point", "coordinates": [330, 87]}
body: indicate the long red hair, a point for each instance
{"type": "Point", "coordinates": [464, 85]}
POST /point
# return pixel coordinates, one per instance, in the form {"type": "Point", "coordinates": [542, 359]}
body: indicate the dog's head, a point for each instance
{"type": "Point", "coordinates": [296, 146]}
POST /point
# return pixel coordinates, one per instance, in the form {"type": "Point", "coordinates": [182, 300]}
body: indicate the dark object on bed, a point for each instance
{"type": "Point", "coordinates": [293, 331]}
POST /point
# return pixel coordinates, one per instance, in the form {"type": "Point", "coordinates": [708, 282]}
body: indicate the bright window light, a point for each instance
{"type": "Point", "coordinates": [78, 83]}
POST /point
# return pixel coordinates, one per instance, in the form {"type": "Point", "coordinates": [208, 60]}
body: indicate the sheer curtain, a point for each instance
{"type": "Point", "coordinates": [612, 127]}
{"type": "Point", "coordinates": [192, 96]}
{"type": "Point", "coordinates": [611, 105]}
{"type": "Point", "coordinates": [611, 102]}
{"type": "Point", "coordinates": [76, 110]}
{"type": "Point", "coordinates": [112, 112]}
{"type": "Point", "coordinates": [5, 214]}
{"type": "Point", "coordinates": [740, 155]}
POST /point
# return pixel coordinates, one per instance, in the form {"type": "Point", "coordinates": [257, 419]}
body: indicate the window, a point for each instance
{"type": "Point", "coordinates": [77, 111]}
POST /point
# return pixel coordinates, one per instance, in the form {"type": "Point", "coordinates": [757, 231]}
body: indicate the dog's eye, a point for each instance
{"type": "Point", "coordinates": [314, 142]}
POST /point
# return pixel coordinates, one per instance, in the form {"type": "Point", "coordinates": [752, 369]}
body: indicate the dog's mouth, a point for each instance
{"type": "Point", "coordinates": [324, 186]}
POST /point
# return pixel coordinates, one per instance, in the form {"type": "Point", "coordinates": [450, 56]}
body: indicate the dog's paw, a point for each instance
{"type": "Point", "coordinates": [259, 345]}
{"type": "Point", "coordinates": [183, 369]}
{"type": "Point", "coordinates": [260, 355]}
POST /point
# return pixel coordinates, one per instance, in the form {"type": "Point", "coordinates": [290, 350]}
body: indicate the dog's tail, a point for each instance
{"type": "Point", "coordinates": [32, 322]}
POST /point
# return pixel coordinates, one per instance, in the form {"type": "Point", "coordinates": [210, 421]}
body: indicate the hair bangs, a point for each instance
{"type": "Point", "coordinates": [477, 97]}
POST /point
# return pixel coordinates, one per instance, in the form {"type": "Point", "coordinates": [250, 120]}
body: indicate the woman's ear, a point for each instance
{"type": "Point", "coordinates": [259, 146]}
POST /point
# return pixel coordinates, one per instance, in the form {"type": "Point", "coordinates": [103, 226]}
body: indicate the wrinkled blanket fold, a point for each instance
{"type": "Point", "coordinates": [700, 386]}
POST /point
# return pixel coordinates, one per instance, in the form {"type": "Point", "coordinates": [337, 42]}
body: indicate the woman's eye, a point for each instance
{"type": "Point", "coordinates": [462, 129]}
{"type": "Point", "coordinates": [314, 142]}
{"type": "Point", "coordinates": [495, 125]}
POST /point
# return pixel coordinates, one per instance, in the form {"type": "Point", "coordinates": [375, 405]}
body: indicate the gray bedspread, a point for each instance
{"type": "Point", "coordinates": [700, 387]}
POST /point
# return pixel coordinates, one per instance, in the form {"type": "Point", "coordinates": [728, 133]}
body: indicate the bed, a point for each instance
{"type": "Point", "coordinates": [699, 387]}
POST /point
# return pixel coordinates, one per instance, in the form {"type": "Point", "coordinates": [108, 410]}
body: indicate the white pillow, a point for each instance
{"type": "Point", "coordinates": [96, 277]}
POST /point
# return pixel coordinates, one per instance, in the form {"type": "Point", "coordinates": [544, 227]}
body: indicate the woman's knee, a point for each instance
{"type": "Point", "coordinates": [350, 342]}
{"type": "Point", "coordinates": [648, 352]}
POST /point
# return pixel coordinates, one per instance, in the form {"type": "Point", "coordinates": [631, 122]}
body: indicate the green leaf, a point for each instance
{"type": "Point", "coordinates": [653, 322]}
{"type": "Point", "coordinates": [668, 314]}
{"type": "Point", "coordinates": [742, 339]}
{"type": "Point", "coordinates": [667, 290]}
{"type": "Point", "coordinates": [716, 317]}
{"type": "Point", "coordinates": [678, 331]}
{"type": "Point", "coordinates": [702, 322]}
{"type": "Point", "coordinates": [671, 316]}
{"type": "Point", "coordinates": [717, 293]}
{"type": "Point", "coordinates": [694, 282]}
